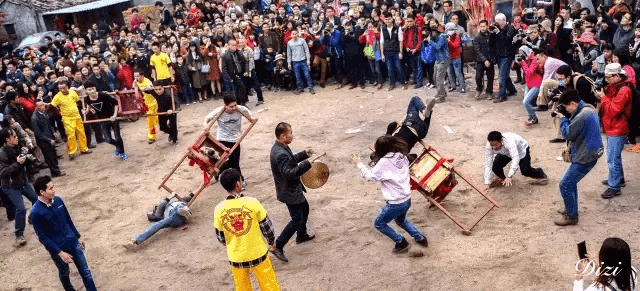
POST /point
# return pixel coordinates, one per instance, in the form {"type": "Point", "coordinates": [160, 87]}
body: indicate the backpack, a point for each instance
{"type": "Point", "coordinates": [427, 55]}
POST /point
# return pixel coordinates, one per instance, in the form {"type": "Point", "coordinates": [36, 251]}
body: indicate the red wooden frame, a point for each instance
{"type": "Point", "coordinates": [130, 105]}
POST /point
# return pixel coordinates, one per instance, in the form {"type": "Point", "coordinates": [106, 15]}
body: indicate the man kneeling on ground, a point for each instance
{"type": "Point", "coordinates": [509, 147]}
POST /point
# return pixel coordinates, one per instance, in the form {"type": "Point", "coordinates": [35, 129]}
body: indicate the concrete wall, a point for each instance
{"type": "Point", "coordinates": [22, 18]}
{"type": "Point", "coordinates": [149, 2]}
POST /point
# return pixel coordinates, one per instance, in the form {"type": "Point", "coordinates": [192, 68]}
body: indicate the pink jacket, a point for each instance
{"type": "Point", "coordinates": [532, 72]}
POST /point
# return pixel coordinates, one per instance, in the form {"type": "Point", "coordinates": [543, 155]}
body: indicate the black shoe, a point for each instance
{"type": "Point", "coordinates": [322, 85]}
{"type": "Point", "coordinates": [622, 183]}
{"type": "Point", "coordinates": [452, 89]}
{"type": "Point", "coordinates": [541, 108]}
{"type": "Point", "coordinates": [296, 91]}
{"type": "Point", "coordinates": [353, 86]}
{"type": "Point", "coordinates": [401, 247]}
{"type": "Point", "coordinates": [279, 253]}
{"type": "Point", "coordinates": [259, 103]}
{"type": "Point", "coordinates": [610, 193]}
{"type": "Point", "coordinates": [423, 242]}
{"type": "Point", "coordinates": [557, 140]}
{"type": "Point", "coordinates": [91, 146]}
{"type": "Point", "coordinates": [59, 174]}
{"type": "Point", "coordinates": [512, 93]}
{"type": "Point", "coordinates": [305, 239]}
{"type": "Point", "coordinates": [362, 86]}
{"type": "Point", "coordinates": [417, 86]}
{"type": "Point", "coordinates": [498, 100]}
{"type": "Point", "coordinates": [312, 92]}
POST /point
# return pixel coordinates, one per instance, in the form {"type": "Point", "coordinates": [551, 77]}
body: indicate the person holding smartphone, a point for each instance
{"type": "Point", "coordinates": [616, 272]}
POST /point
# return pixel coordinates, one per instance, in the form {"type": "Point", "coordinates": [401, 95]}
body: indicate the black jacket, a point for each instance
{"type": "Point", "coordinates": [287, 169]}
{"type": "Point", "coordinates": [485, 47]}
{"type": "Point", "coordinates": [12, 174]}
{"type": "Point", "coordinates": [19, 114]}
{"type": "Point", "coordinates": [229, 68]}
{"type": "Point", "coordinates": [42, 128]}
{"type": "Point", "coordinates": [504, 42]}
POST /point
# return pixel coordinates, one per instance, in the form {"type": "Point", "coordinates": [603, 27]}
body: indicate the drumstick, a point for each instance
{"type": "Point", "coordinates": [320, 156]}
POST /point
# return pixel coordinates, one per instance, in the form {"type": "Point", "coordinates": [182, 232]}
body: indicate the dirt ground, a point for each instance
{"type": "Point", "coordinates": [515, 247]}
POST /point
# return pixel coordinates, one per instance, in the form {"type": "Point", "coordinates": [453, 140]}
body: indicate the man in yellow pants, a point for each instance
{"type": "Point", "coordinates": [240, 223]}
{"type": "Point", "coordinates": [67, 100]}
{"type": "Point", "coordinates": [145, 85]}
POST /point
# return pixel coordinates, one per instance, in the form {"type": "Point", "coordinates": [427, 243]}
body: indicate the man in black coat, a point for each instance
{"type": "Point", "coordinates": [484, 44]}
{"type": "Point", "coordinates": [44, 138]}
{"type": "Point", "coordinates": [505, 53]}
{"type": "Point", "coordinates": [234, 67]}
{"type": "Point", "coordinates": [353, 52]}
{"type": "Point", "coordinates": [287, 169]}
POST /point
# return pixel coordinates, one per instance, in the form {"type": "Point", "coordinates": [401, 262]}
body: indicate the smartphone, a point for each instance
{"type": "Point", "coordinates": [582, 250]}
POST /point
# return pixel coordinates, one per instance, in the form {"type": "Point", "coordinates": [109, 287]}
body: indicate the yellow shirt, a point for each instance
{"type": "Point", "coordinates": [161, 64]}
{"type": "Point", "coordinates": [148, 98]}
{"type": "Point", "coordinates": [67, 104]}
{"type": "Point", "coordinates": [238, 218]}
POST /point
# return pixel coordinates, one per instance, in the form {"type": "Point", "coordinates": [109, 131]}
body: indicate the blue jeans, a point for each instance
{"type": "Point", "coordinates": [394, 68]}
{"type": "Point", "coordinates": [614, 160]}
{"type": "Point", "coordinates": [397, 212]}
{"type": "Point", "coordinates": [81, 263]}
{"type": "Point", "coordinates": [416, 106]}
{"type": "Point", "coordinates": [187, 93]}
{"type": "Point", "coordinates": [116, 140]}
{"type": "Point", "coordinates": [455, 73]}
{"type": "Point", "coordinates": [506, 86]}
{"type": "Point", "coordinates": [374, 66]}
{"type": "Point", "coordinates": [569, 186]}
{"type": "Point", "coordinates": [15, 195]}
{"type": "Point", "coordinates": [300, 68]}
{"type": "Point", "coordinates": [172, 220]}
{"type": "Point", "coordinates": [529, 101]}
{"type": "Point", "coordinates": [416, 66]}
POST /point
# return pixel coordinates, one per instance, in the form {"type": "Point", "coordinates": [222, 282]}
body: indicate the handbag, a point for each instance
{"type": "Point", "coordinates": [566, 153]}
{"type": "Point", "coordinates": [368, 52]}
{"type": "Point", "coordinates": [205, 69]}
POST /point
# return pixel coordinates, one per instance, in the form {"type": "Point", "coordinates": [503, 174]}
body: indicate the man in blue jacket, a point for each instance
{"type": "Point", "coordinates": [56, 231]}
{"type": "Point", "coordinates": [332, 39]}
{"type": "Point", "coordinates": [580, 126]}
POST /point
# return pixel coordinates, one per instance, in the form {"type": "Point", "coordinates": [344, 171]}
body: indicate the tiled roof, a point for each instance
{"type": "Point", "coordinates": [48, 5]}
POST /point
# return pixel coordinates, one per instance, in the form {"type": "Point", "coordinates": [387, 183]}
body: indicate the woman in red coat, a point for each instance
{"type": "Point", "coordinates": [125, 74]}
{"type": "Point", "coordinates": [210, 53]}
{"type": "Point", "coordinates": [194, 15]}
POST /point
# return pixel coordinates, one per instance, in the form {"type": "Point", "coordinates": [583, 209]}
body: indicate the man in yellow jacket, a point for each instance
{"type": "Point", "coordinates": [145, 85]}
{"type": "Point", "coordinates": [66, 100]}
{"type": "Point", "coordinates": [240, 224]}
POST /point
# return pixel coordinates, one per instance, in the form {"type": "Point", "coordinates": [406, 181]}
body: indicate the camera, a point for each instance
{"type": "Point", "coordinates": [492, 27]}
{"type": "Point", "coordinates": [554, 94]}
{"type": "Point", "coordinates": [520, 57]}
{"type": "Point", "coordinates": [559, 109]}
{"type": "Point", "coordinates": [600, 84]}
{"type": "Point", "coordinates": [575, 44]}
{"type": "Point", "coordinates": [24, 153]}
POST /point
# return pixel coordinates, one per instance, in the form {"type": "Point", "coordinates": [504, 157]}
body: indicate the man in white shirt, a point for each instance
{"type": "Point", "coordinates": [509, 147]}
{"type": "Point", "coordinates": [230, 128]}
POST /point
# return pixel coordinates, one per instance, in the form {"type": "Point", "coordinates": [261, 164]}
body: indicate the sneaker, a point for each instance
{"type": "Point", "coordinates": [463, 90]}
{"type": "Point", "coordinates": [452, 89]}
{"type": "Point", "coordinates": [610, 193]}
{"type": "Point", "coordinates": [362, 86]}
{"type": "Point", "coordinates": [296, 92]}
{"type": "Point", "coordinates": [431, 86]}
{"type": "Point", "coordinates": [557, 140]}
{"type": "Point", "coordinates": [279, 253]}
{"type": "Point", "coordinates": [131, 245]}
{"type": "Point", "coordinates": [531, 122]}
{"type": "Point", "coordinates": [20, 241]}
{"type": "Point", "coordinates": [440, 99]}
{"type": "Point", "coordinates": [311, 91]}
{"type": "Point", "coordinates": [430, 104]}
{"type": "Point", "coordinates": [124, 157]}
{"type": "Point", "coordinates": [622, 183]}
{"type": "Point", "coordinates": [404, 86]}
{"type": "Point", "coordinates": [184, 212]}
{"type": "Point", "coordinates": [564, 221]}
{"type": "Point", "coordinates": [401, 247]}
{"type": "Point", "coordinates": [86, 152]}
{"type": "Point", "coordinates": [500, 99]}
{"type": "Point", "coordinates": [353, 86]}
{"type": "Point", "coordinates": [423, 242]}
{"type": "Point", "coordinates": [151, 141]}
{"type": "Point", "coordinates": [391, 87]}
{"type": "Point", "coordinates": [117, 152]}
{"type": "Point", "coordinates": [59, 174]}
{"type": "Point", "coordinates": [72, 157]}
{"type": "Point", "coordinates": [276, 89]}
{"type": "Point", "coordinates": [417, 86]}
{"type": "Point", "coordinates": [91, 146]}
{"type": "Point", "coordinates": [305, 239]}
{"type": "Point", "coordinates": [379, 86]}
{"type": "Point", "coordinates": [259, 103]}
{"type": "Point", "coordinates": [541, 108]}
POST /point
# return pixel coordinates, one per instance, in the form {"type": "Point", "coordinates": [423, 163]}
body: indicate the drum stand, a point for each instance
{"type": "Point", "coordinates": [435, 177]}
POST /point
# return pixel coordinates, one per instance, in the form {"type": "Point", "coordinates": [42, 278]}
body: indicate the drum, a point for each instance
{"type": "Point", "coordinates": [316, 176]}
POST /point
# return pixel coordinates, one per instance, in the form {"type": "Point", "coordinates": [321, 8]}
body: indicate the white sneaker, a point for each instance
{"type": "Point", "coordinates": [130, 245]}
{"type": "Point", "coordinates": [184, 212]}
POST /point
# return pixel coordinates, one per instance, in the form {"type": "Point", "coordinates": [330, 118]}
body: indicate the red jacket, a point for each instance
{"type": "Point", "coordinates": [532, 72]}
{"type": "Point", "coordinates": [409, 35]}
{"type": "Point", "coordinates": [454, 46]}
{"type": "Point", "coordinates": [616, 108]}
{"type": "Point", "coordinates": [373, 35]}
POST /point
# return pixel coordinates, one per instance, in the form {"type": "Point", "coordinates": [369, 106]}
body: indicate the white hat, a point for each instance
{"type": "Point", "coordinates": [450, 26]}
{"type": "Point", "coordinates": [613, 69]}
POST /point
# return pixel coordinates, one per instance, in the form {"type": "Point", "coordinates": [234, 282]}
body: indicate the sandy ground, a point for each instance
{"type": "Point", "coordinates": [516, 247]}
